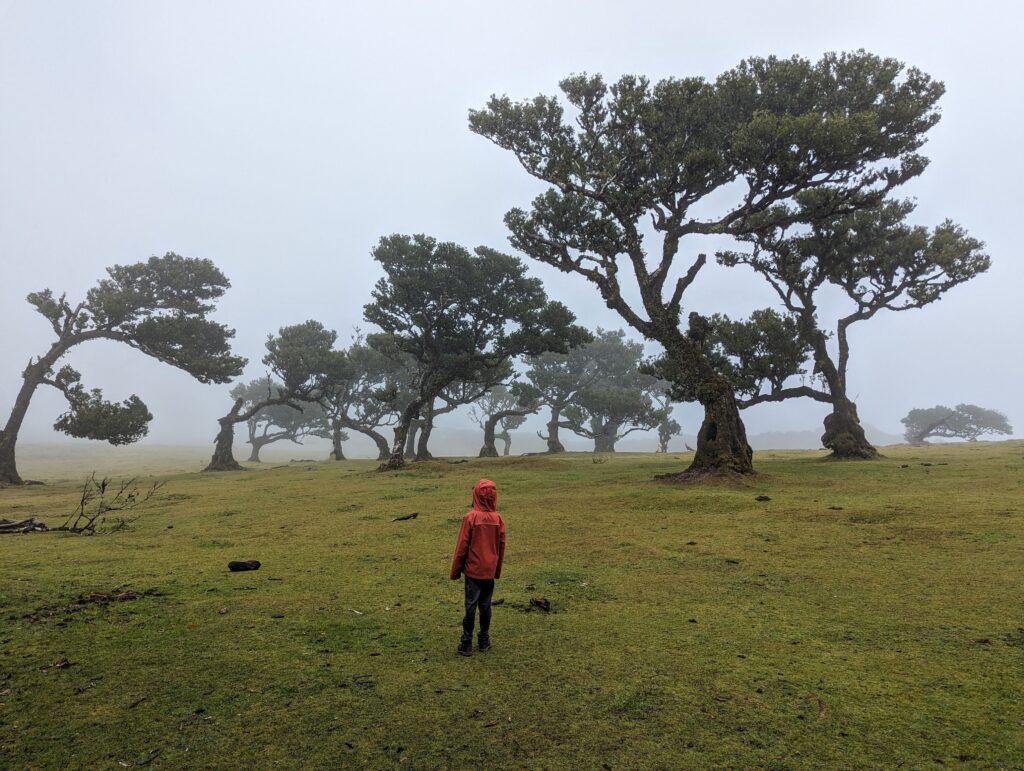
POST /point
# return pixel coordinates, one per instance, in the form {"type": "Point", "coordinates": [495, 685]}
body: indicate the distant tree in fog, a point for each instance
{"type": "Point", "coordinates": [277, 422]}
{"type": "Point", "coordinates": [621, 397]}
{"type": "Point", "coordinates": [365, 395]}
{"type": "Point", "coordinates": [504, 407]}
{"type": "Point", "coordinates": [965, 421]}
{"type": "Point", "coordinates": [303, 360]}
{"type": "Point", "coordinates": [459, 314]}
{"type": "Point", "coordinates": [159, 307]}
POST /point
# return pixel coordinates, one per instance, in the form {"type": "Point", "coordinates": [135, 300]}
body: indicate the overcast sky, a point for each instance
{"type": "Point", "coordinates": [281, 140]}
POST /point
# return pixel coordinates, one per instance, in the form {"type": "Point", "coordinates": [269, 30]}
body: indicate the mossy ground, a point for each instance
{"type": "Point", "coordinates": [869, 615]}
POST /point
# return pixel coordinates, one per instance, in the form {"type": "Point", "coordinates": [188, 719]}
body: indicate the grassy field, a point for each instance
{"type": "Point", "coordinates": [869, 614]}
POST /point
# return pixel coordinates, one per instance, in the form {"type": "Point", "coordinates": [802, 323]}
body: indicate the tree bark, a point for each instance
{"type": "Point", "coordinates": [422, 453]}
{"type": "Point", "coordinates": [844, 434]}
{"type": "Point", "coordinates": [254, 456]}
{"type": "Point", "coordinates": [489, 450]}
{"type": "Point", "coordinates": [554, 444]}
{"type": "Point", "coordinates": [410, 441]}
{"type": "Point", "coordinates": [722, 445]}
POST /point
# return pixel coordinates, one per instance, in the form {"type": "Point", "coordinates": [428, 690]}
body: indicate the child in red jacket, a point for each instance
{"type": "Point", "coordinates": [479, 552]}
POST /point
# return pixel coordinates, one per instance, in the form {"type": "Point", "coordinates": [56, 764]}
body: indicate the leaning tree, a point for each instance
{"type": "Point", "coordinates": [880, 262]}
{"type": "Point", "coordinates": [621, 399]}
{"type": "Point", "coordinates": [505, 405]}
{"type": "Point", "coordinates": [160, 307]}
{"type": "Point", "coordinates": [277, 422]}
{"type": "Point", "coordinates": [965, 421]}
{"type": "Point", "coordinates": [642, 171]}
{"type": "Point", "coordinates": [459, 314]}
{"type": "Point", "coordinates": [301, 357]}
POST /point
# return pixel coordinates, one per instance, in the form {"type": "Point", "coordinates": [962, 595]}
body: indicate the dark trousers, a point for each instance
{"type": "Point", "coordinates": [478, 595]}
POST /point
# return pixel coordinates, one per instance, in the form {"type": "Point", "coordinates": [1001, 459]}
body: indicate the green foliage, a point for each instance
{"type": "Point", "coordinates": [758, 355]}
{"type": "Point", "coordinates": [459, 314]}
{"type": "Point", "coordinates": [92, 417]}
{"type": "Point", "coordinates": [849, 123]}
{"type": "Point", "coordinates": [302, 356]}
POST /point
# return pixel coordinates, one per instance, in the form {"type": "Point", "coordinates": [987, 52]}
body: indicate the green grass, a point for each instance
{"type": "Point", "coordinates": [869, 615]}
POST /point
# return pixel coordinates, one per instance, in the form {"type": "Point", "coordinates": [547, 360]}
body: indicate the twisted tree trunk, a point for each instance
{"type": "Point", "coordinates": [844, 434]}
{"type": "Point", "coordinates": [506, 439]}
{"type": "Point", "coordinates": [223, 456]}
{"type": "Point", "coordinates": [554, 444]}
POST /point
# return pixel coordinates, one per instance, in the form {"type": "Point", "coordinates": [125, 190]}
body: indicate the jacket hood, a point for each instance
{"type": "Point", "coordinates": [485, 495]}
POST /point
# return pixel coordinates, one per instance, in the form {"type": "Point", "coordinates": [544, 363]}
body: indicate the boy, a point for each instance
{"type": "Point", "coordinates": [479, 552]}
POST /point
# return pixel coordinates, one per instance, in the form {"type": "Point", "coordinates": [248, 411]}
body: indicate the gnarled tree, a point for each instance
{"type": "Point", "coordinates": [301, 357]}
{"type": "Point", "coordinates": [459, 314]}
{"type": "Point", "coordinates": [160, 307]}
{"type": "Point", "coordinates": [641, 171]}
{"type": "Point", "coordinates": [559, 377]}
{"type": "Point", "coordinates": [879, 261]}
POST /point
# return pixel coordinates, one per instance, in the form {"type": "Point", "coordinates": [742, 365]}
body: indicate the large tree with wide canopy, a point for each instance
{"type": "Point", "coordinates": [638, 173]}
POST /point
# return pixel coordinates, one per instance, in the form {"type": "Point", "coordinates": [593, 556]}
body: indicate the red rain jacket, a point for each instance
{"type": "Point", "coordinates": [480, 548]}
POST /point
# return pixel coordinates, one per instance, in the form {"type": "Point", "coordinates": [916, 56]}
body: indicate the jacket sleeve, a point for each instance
{"type": "Point", "coordinates": [461, 548]}
{"type": "Point", "coordinates": [501, 550]}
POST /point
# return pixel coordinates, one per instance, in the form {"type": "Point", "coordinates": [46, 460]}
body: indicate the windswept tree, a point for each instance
{"type": "Point", "coordinates": [275, 423]}
{"type": "Point", "coordinates": [965, 421]}
{"type": "Point", "coordinates": [300, 357]}
{"type": "Point", "coordinates": [621, 399]}
{"type": "Point", "coordinates": [504, 407]}
{"type": "Point", "coordinates": [639, 173]}
{"type": "Point", "coordinates": [880, 261]}
{"type": "Point", "coordinates": [160, 307]}
{"type": "Point", "coordinates": [459, 314]}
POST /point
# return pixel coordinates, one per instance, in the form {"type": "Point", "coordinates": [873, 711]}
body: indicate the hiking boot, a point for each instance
{"type": "Point", "coordinates": [484, 643]}
{"type": "Point", "coordinates": [465, 648]}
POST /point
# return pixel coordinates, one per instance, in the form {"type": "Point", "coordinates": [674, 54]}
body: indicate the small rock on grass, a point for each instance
{"type": "Point", "coordinates": [236, 566]}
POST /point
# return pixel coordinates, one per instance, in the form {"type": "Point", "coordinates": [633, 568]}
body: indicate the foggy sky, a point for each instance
{"type": "Point", "coordinates": [281, 140]}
